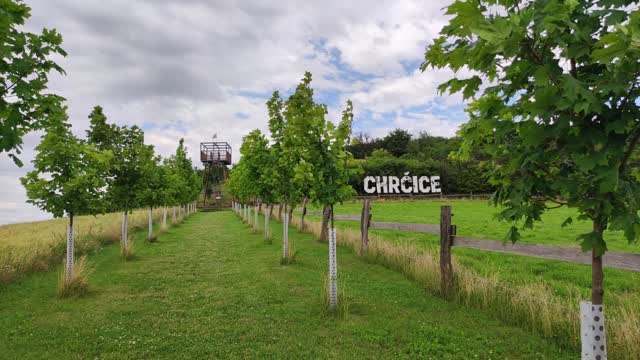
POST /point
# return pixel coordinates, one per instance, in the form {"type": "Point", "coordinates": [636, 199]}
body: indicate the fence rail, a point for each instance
{"type": "Point", "coordinates": [615, 260]}
{"type": "Point", "coordinates": [420, 228]}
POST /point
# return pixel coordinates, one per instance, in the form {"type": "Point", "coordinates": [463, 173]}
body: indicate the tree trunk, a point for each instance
{"type": "Point", "coordinates": [285, 234]}
{"type": "Point", "coordinates": [597, 275]}
{"type": "Point", "coordinates": [267, 217]}
{"type": "Point", "coordinates": [304, 212]}
{"type": "Point", "coordinates": [124, 231]}
{"type": "Point", "coordinates": [280, 212]}
{"type": "Point", "coordinates": [333, 267]}
{"type": "Point", "coordinates": [270, 211]}
{"type": "Point", "coordinates": [150, 222]}
{"type": "Point", "coordinates": [164, 217]}
{"type": "Point", "coordinates": [70, 249]}
{"type": "Point", "coordinates": [326, 211]}
{"type": "Point", "coordinates": [174, 215]}
{"type": "Point", "coordinates": [290, 213]}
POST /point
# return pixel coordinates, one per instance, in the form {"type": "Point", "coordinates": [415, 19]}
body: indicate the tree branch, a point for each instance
{"type": "Point", "coordinates": [632, 145]}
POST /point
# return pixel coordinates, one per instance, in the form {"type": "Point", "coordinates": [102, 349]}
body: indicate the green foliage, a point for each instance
{"type": "Point", "coordinates": [259, 162]}
{"type": "Point", "coordinates": [100, 133]}
{"type": "Point", "coordinates": [284, 152]}
{"type": "Point", "coordinates": [137, 177]}
{"type": "Point", "coordinates": [557, 114]}
{"type": "Point", "coordinates": [319, 145]}
{"type": "Point", "coordinates": [185, 184]}
{"type": "Point", "coordinates": [68, 175]}
{"type": "Point", "coordinates": [24, 67]}
{"type": "Point", "coordinates": [128, 170]}
{"type": "Point", "coordinates": [238, 184]}
{"type": "Point", "coordinates": [154, 192]}
{"type": "Point", "coordinates": [397, 142]}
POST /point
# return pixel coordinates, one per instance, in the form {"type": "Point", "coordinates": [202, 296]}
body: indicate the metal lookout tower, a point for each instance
{"type": "Point", "coordinates": [215, 157]}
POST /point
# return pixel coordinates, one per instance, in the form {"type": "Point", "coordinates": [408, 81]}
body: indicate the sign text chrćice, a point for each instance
{"type": "Point", "coordinates": [404, 185]}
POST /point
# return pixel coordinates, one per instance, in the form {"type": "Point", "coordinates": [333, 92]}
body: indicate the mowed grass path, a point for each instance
{"type": "Point", "coordinates": [210, 288]}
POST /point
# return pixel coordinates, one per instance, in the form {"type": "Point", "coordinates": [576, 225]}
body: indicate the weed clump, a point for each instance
{"type": "Point", "coordinates": [341, 311]}
{"type": "Point", "coordinates": [78, 284]}
{"type": "Point", "coordinates": [129, 252]}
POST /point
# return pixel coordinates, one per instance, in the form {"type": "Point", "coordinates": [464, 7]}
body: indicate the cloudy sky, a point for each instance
{"type": "Point", "coordinates": [192, 68]}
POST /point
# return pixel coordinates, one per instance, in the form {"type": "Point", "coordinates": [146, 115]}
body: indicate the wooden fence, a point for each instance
{"type": "Point", "coordinates": [449, 238]}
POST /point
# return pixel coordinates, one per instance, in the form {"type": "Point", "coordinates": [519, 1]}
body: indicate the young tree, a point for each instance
{"type": "Point", "coordinates": [558, 111]}
{"type": "Point", "coordinates": [131, 159]}
{"type": "Point", "coordinates": [256, 156]}
{"type": "Point", "coordinates": [285, 155]}
{"type": "Point", "coordinates": [173, 186]}
{"type": "Point", "coordinates": [323, 162]}
{"type": "Point", "coordinates": [238, 185]}
{"type": "Point", "coordinates": [68, 177]}
{"type": "Point", "coordinates": [154, 190]}
{"type": "Point", "coordinates": [188, 183]}
{"type": "Point", "coordinates": [25, 64]}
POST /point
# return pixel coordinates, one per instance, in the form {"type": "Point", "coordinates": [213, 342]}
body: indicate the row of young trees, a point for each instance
{"type": "Point", "coordinates": [304, 159]}
{"type": "Point", "coordinates": [111, 170]}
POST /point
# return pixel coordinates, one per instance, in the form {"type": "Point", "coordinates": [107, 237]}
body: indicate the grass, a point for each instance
{"type": "Point", "coordinates": [210, 288]}
{"type": "Point", "coordinates": [541, 295]}
{"type": "Point", "coordinates": [41, 245]}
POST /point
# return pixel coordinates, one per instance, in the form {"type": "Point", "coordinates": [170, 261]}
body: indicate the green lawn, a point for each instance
{"type": "Point", "coordinates": [210, 288]}
{"type": "Point", "coordinates": [476, 219]}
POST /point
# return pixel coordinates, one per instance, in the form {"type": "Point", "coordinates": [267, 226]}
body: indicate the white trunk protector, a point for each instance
{"type": "Point", "coordinates": [124, 231]}
{"type": "Point", "coordinates": [150, 223]}
{"type": "Point", "coordinates": [592, 331]}
{"type": "Point", "coordinates": [69, 273]}
{"type": "Point", "coordinates": [333, 270]}
{"type": "Point", "coordinates": [285, 237]}
{"type": "Point", "coordinates": [255, 223]}
{"type": "Point", "coordinates": [164, 217]}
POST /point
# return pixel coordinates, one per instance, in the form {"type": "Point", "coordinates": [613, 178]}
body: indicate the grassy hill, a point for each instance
{"type": "Point", "coordinates": [211, 288]}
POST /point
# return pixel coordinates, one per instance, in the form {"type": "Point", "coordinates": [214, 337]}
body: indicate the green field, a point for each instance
{"type": "Point", "coordinates": [210, 288]}
{"type": "Point", "coordinates": [476, 219]}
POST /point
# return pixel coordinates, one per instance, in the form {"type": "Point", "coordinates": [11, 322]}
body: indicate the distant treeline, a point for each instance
{"type": "Point", "coordinates": [399, 152]}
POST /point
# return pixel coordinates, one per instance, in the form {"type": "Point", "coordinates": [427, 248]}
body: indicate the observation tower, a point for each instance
{"type": "Point", "coordinates": [215, 157]}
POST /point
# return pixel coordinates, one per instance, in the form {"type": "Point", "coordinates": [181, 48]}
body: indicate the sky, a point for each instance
{"type": "Point", "coordinates": [194, 68]}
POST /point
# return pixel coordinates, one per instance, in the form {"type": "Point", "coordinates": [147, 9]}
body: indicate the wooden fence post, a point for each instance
{"type": "Point", "coordinates": [304, 212]}
{"type": "Point", "coordinates": [365, 219]}
{"type": "Point", "coordinates": [446, 270]}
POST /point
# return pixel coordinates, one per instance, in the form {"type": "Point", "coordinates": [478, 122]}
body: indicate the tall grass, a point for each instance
{"type": "Point", "coordinates": [78, 285]}
{"type": "Point", "coordinates": [41, 245]}
{"type": "Point", "coordinates": [534, 306]}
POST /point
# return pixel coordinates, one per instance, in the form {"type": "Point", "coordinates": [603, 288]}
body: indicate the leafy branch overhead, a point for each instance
{"type": "Point", "coordinates": [25, 64]}
{"type": "Point", "coordinates": [553, 88]}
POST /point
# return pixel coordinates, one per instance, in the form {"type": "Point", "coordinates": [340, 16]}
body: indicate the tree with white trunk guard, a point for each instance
{"type": "Point", "coordinates": [68, 177]}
